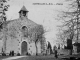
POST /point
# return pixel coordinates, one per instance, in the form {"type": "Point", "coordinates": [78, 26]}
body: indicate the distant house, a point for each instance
{"type": "Point", "coordinates": [20, 35]}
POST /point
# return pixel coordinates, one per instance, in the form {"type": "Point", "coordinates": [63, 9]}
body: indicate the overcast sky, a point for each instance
{"type": "Point", "coordinates": [40, 13]}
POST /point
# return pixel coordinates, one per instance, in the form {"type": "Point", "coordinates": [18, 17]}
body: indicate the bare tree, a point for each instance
{"type": "Point", "coordinates": [37, 34]}
{"type": "Point", "coordinates": [3, 9]}
{"type": "Point", "coordinates": [70, 27]}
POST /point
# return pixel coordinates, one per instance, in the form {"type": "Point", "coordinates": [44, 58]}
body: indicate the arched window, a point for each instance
{"type": "Point", "coordinates": [25, 31]}
{"type": "Point", "coordinates": [24, 27]}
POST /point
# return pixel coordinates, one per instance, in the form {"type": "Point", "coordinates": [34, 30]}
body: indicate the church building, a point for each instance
{"type": "Point", "coordinates": [22, 35]}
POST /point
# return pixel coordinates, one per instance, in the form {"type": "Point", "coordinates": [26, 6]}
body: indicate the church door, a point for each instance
{"type": "Point", "coordinates": [24, 48]}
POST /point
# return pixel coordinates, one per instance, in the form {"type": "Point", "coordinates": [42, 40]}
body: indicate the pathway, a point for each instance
{"type": "Point", "coordinates": [16, 57]}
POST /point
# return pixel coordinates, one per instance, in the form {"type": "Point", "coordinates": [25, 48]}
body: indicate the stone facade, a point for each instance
{"type": "Point", "coordinates": [19, 35]}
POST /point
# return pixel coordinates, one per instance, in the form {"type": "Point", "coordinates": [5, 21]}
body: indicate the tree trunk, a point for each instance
{"type": "Point", "coordinates": [71, 49]}
{"type": "Point", "coordinates": [5, 37]}
{"type": "Point", "coordinates": [71, 52]}
{"type": "Point", "coordinates": [36, 48]}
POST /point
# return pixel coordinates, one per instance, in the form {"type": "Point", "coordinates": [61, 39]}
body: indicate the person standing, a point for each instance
{"type": "Point", "coordinates": [55, 52]}
{"type": "Point", "coordinates": [56, 55]}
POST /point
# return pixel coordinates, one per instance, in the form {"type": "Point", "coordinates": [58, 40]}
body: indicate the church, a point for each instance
{"type": "Point", "coordinates": [22, 35]}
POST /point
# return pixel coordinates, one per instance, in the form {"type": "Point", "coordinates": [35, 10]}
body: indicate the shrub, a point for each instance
{"type": "Point", "coordinates": [18, 54]}
{"type": "Point", "coordinates": [3, 54]}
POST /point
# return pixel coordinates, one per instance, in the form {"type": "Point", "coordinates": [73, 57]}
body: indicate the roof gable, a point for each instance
{"type": "Point", "coordinates": [23, 9]}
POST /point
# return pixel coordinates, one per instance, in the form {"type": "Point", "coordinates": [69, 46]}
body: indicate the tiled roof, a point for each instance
{"type": "Point", "coordinates": [9, 21]}
{"type": "Point", "coordinates": [28, 21]}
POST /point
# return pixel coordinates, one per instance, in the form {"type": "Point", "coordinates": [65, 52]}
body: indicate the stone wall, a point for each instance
{"type": "Point", "coordinates": [15, 36]}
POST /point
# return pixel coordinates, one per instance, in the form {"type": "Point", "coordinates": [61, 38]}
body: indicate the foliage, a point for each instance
{"type": "Point", "coordinates": [69, 18]}
{"type": "Point", "coordinates": [36, 33]}
{"type": "Point", "coordinates": [3, 9]}
{"type": "Point", "coordinates": [71, 21]}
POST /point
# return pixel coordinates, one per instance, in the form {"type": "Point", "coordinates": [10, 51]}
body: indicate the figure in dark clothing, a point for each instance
{"type": "Point", "coordinates": [56, 54]}
{"type": "Point", "coordinates": [10, 53]}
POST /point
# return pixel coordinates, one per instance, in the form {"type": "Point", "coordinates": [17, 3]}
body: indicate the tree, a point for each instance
{"type": "Point", "coordinates": [36, 34]}
{"type": "Point", "coordinates": [39, 35]}
{"type": "Point", "coordinates": [70, 20]}
{"type": "Point", "coordinates": [3, 9]}
{"type": "Point", "coordinates": [49, 47]}
{"type": "Point", "coordinates": [3, 18]}
{"type": "Point", "coordinates": [43, 45]}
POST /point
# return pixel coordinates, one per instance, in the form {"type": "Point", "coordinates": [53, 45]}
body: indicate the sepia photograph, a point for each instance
{"type": "Point", "coordinates": [39, 30]}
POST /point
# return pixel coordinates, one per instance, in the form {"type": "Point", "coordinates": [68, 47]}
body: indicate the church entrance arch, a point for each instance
{"type": "Point", "coordinates": [24, 48]}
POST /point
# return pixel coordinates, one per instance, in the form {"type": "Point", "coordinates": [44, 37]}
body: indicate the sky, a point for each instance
{"type": "Point", "coordinates": [40, 13]}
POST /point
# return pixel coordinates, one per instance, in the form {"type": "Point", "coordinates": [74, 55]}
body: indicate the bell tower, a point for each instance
{"type": "Point", "coordinates": [23, 12]}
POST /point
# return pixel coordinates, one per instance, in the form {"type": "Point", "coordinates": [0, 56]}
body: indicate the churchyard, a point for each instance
{"type": "Point", "coordinates": [49, 57]}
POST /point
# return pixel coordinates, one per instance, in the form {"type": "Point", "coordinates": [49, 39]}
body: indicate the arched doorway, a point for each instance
{"type": "Point", "coordinates": [24, 48]}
